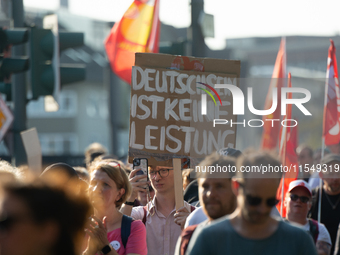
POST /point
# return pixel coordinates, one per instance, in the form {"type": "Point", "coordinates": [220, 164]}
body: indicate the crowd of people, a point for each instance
{"type": "Point", "coordinates": [107, 208]}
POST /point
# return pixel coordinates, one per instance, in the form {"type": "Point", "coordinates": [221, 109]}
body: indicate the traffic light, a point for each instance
{"type": "Point", "coordinates": [70, 73]}
{"type": "Point", "coordinates": [46, 71]}
{"type": "Point", "coordinates": [41, 53]}
{"type": "Point", "coordinates": [9, 65]}
{"type": "Point", "coordinates": [174, 48]}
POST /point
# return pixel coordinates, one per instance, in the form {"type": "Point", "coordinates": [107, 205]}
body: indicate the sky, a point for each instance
{"type": "Point", "coordinates": [233, 19]}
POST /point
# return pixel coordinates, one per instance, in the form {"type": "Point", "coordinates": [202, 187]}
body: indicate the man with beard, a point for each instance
{"type": "Point", "coordinates": [251, 229]}
{"type": "Point", "coordinates": [215, 195]}
{"type": "Point", "coordinates": [330, 198]}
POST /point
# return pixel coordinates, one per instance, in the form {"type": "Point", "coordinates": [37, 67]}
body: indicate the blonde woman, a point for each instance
{"type": "Point", "coordinates": [109, 188]}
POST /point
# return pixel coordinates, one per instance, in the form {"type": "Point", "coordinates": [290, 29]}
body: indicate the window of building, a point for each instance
{"type": "Point", "coordinates": [67, 107]}
{"type": "Point", "coordinates": [58, 143]}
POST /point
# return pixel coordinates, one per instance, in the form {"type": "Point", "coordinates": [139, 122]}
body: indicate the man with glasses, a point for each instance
{"type": "Point", "coordinates": [298, 202]}
{"type": "Point", "coordinates": [251, 229]}
{"type": "Point", "coordinates": [163, 223]}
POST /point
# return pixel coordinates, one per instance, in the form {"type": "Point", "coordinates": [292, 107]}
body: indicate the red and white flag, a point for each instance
{"type": "Point", "coordinates": [271, 129]}
{"type": "Point", "coordinates": [288, 144]}
{"type": "Point", "coordinates": [331, 112]}
{"type": "Point", "coordinates": [137, 31]}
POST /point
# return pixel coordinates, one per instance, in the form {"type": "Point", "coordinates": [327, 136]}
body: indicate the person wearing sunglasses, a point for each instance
{"type": "Point", "coordinates": [109, 188]}
{"type": "Point", "coordinates": [163, 222]}
{"type": "Point", "coordinates": [298, 201]}
{"type": "Point", "coordinates": [251, 229]}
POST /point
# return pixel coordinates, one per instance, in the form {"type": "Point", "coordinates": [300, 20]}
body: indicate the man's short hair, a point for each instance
{"type": "Point", "coordinates": [329, 158]}
{"type": "Point", "coordinates": [93, 151]}
{"type": "Point", "coordinates": [258, 165]}
{"type": "Point", "coordinates": [216, 166]}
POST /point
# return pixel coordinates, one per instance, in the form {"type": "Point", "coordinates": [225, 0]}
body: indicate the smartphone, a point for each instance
{"type": "Point", "coordinates": [143, 164]}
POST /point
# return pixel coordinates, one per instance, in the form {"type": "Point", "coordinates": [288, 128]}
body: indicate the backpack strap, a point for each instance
{"type": "Point", "coordinates": [145, 210]}
{"type": "Point", "coordinates": [315, 202]}
{"type": "Point", "coordinates": [185, 238]}
{"type": "Point", "coordinates": [125, 229]}
{"type": "Point", "coordinates": [314, 229]}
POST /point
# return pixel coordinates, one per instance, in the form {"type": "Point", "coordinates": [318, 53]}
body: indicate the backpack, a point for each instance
{"type": "Point", "coordinates": [125, 229]}
{"type": "Point", "coordinates": [314, 229]}
{"type": "Point", "coordinates": [145, 209]}
{"type": "Point", "coordinates": [185, 238]}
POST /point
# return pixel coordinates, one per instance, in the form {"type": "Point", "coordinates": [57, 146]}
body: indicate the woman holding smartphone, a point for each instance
{"type": "Point", "coordinates": [108, 190]}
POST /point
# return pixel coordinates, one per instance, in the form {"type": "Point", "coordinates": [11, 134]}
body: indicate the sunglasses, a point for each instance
{"type": "Point", "coordinates": [295, 198]}
{"type": "Point", "coordinates": [256, 201]}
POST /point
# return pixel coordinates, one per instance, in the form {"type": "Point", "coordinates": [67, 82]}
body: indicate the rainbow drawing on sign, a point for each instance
{"type": "Point", "coordinates": [204, 97]}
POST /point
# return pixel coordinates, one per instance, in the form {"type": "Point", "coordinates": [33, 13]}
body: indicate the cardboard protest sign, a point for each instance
{"type": "Point", "coordinates": [178, 182]}
{"type": "Point", "coordinates": [31, 143]}
{"type": "Point", "coordinates": [167, 117]}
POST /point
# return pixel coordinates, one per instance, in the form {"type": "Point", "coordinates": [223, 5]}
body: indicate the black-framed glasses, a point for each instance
{"type": "Point", "coordinates": [295, 198]}
{"type": "Point", "coordinates": [256, 201]}
{"type": "Point", "coordinates": [164, 172]}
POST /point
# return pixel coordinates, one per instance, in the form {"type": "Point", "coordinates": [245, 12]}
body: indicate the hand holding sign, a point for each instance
{"type": "Point", "coordinates": [181, 216]}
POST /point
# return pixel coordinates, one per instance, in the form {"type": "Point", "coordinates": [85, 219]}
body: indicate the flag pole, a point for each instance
{"type": "Point", "coordinates": [284, 163]}
{"type": "Point", "coordinates": [320, 181]}
{"type": "Point", "coordinates": [282, 193]}
{"type": "Point", "coordinates": [285, 143]}
{"type": "Point", "coordinates": [284, 134]}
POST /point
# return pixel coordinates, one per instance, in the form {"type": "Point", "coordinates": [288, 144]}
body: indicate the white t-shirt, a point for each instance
{"type": "Point", "coordinates": [323, 233]}
{"type": "Point", "coordinates": [314, 180]}
{"type": "Point", "coordinates": [196, 217]}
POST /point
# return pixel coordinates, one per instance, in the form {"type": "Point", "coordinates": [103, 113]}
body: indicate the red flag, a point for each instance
{"type": "Point", "coordinates": [137, 31]}
{"type": "Point", "coordinates": [331, 114]}
{"type": "Point", "coordinates": [288, 144]}
{"type": "Point", "coordinates": [270, 134]}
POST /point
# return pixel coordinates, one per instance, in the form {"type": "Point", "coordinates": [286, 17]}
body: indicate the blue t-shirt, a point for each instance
{"type": "Point", "coordinates": [221, 238]}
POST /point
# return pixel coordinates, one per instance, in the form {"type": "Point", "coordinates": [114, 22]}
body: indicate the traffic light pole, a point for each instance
{"type": "Point", "coordinates": [197, 38]}
{"type": "Point", "coordinates": [19, 91]}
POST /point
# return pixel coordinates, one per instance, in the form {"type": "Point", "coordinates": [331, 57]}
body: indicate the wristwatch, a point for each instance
{"type": "Point", "coordinates": [130, 203]}
{"type": "Point", "coordinates": [106, 249]}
